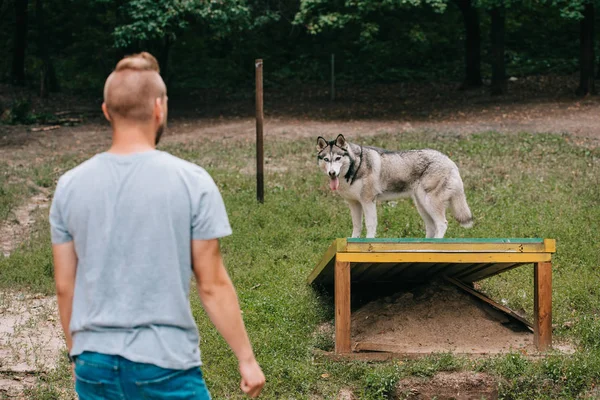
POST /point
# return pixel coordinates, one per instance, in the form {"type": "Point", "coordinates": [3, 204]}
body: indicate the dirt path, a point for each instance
{"type": "Point", "coordinates": [580, 118]}
{"type": "Point", "coordinates": [31, 340]}
{"type": "Point", "coordinates": [531, 104]}
{"type": "Point", "coordinates": [17, 228]}
{"type": "Point", "coordinates": [30, 335]}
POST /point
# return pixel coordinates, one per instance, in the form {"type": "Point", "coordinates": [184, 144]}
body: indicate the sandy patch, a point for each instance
{"type": "Point", "coordinates": [438, 317]}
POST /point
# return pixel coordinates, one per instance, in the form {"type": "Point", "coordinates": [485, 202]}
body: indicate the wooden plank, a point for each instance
{"type": "Point", "coordinates": [376, 271]}
{"type": "Point", "coordinates": [542, 277]}
{"type": "Point", "coordinates": [456, 269]}
{"type": "Point", "coordinates": [399, 349]}
{"type": "Point", "coordinates": [358, 270]}
{"type": "Point", "coordinates": [426, 247]}
{"type": "Point", "coordinates": [445, 257]}
{"type": "Point", "coordinates": [474, 269]}
{"type": "Point", "coordinates": [446, 240]}
{"type": "Point", "coordinates": [491, 270]}
{"type": "Point", "coordinates": [550, 245]}
{"type": "Point", "coordinates": [416, 270]}
{"type": "Point", "coordinates": [337, 245]}
{"type": "Point", "coordinates": [368, 356]}
{"type": "Point", "coordinates": [381, 356]}
{"type": "Point", "coordinates": [435, 269]}
{"type": "Point", "coordinates": [398, 269]}
{"type": "Point", "coordinates": [489, 301]}
{"type": "Point", "coordinates": [342, 307]}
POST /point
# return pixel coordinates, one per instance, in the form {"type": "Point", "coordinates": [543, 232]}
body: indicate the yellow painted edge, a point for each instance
{"type": "Point", "coordinates": [550, 245]}
{"type": "Point", "coordinates": [329, 254]}
{"type": "Point", "coordinates": [448, 247]}
{"type": "Point", "coordinates": [341, 245]}
{"type": "Point", "coordinates": [481, 258]}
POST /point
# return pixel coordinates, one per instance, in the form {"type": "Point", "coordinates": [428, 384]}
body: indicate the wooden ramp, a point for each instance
{"type": "Point", "coordinates": [409, 262]}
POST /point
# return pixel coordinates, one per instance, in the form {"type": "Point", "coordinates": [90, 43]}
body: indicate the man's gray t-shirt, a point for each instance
{"type": "Point", "coordinates": [132, 219]}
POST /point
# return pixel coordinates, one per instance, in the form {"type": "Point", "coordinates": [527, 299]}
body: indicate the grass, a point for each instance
{"type": "Point", "coordinates": [517, 186]}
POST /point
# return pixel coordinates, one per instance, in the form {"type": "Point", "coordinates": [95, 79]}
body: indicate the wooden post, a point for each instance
{"type": "Point", "coordinates": [260, 190]}
{"type": "Point", "coordinates": [342, 307]}
{"type": "Point", "coordinates": [542, 281]}
{"type": "Point", "coordinates": [332, 77]}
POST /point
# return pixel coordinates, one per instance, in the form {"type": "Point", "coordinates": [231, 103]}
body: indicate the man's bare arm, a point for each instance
{"type": "Point", "coordinates": [220, 301]}
{"type": "Point", "coordinates": [65, 266]}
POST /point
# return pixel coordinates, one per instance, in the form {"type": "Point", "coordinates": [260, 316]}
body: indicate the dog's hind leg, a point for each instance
{"type": "Point", "coordinates": [357, 217]}
{"type": "Point", "coordinates": [435, 206]}
{"type": "Point", "coordinates": [429, 225]}
{"type": "Point", "coordinates": [370, 211]}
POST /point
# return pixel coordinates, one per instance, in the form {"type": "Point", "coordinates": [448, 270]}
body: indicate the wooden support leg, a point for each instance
{"type": "Point", "coordinates": [542, 277]}
{"type": "Point", "coordinates": [342, 307]}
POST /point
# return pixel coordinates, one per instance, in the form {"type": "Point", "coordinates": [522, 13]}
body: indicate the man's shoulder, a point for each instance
{"type": "Point", "coordinates": [80, 169]}
{"type": "Point", "coordinates": [184, 166]}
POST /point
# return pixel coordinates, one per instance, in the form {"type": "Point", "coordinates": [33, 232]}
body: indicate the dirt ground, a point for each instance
{"type": "Point", "coordinates": [448, 386]}
{"type": "Point", "coordinates": [536, 104]}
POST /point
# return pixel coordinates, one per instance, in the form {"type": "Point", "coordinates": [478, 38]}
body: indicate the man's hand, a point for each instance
{"type": "Point", "coordinates": [253, 378]}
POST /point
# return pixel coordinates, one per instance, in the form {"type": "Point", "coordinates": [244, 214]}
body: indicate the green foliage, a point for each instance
{"type": "Point", "coordinates": [11, 193]}
{"type": "Point", "coordinates": [588, 331]}
{"type": "Point", "coordinates": [19, 112]}
{"type": "Point", "coordinates": [571, 9]}
{"type": "Point", "coordinates": [429, 366]}
{"type": "Point", "coordinates": [52, 386]}
{"type": "Point", "coordinates": [149, 20]}
{"type": "Point", "coordinates": [380, 383]}
{"type": "Point", "coordinates": [30, 266]}
{"type": "Point", "coordinates": [321, 15]}
{"type": "Point", "coordinates": [212, 44]}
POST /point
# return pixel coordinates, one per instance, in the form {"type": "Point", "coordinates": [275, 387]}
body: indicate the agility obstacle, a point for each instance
{"type": "Point", "coordinates": [406, 262]}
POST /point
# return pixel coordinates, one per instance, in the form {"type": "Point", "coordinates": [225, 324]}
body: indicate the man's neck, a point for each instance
{"type": "Point", "coordinates": [131, 139]}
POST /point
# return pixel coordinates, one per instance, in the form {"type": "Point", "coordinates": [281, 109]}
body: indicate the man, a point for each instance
{"type": "Point", "coordinates": [129, 227]}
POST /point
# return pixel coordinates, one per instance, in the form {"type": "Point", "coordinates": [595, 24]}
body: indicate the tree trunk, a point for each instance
{"type": "Point", "coordinates": [586, 55]}
{"type": "Point", "coordinates": [48, 81]}
{"type": "Point", "coordinates": [20, 44]}
{"type": "Point", "coordinates": [497, 42]}
{"type": "Point", "coordinates": [472, 44]}
{"type": "Point", "coordinates": [164, 59]}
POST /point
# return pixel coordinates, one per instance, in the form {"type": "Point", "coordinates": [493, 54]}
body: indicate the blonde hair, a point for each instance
{"type": "Point", "coordinates": [132, 89]}
{"type": "Point", "coordinates": [143, 61]}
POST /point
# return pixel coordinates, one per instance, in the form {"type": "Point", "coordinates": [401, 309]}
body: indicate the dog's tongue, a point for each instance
{"type": "Point", "coordinates": [334, 183]}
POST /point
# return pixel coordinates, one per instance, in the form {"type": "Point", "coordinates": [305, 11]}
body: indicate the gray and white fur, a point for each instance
{"type": "Point", "coordinates": [363, 175]}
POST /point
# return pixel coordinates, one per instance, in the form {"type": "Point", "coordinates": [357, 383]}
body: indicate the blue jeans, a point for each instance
{"type": "Point", "coordinates": [101, 376]}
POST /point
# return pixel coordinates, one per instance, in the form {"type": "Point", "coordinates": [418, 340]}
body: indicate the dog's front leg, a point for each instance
{"type": "Point", "coordinates": [370, 210]}
{"type": "Point", "coordinates": [357, 217]}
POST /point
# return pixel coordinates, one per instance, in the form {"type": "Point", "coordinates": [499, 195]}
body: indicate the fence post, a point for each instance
{"type": "Point", "coordinates": [260, 190]}
{"type": "Point", "coordinates": [332, 77]}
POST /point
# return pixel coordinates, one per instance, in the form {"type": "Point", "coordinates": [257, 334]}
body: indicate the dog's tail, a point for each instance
{"type": "Point", "coordinates": [460, 209]}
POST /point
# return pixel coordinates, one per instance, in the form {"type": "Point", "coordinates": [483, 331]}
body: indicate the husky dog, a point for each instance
{"type": "Point", "coordinates": [363, 175]}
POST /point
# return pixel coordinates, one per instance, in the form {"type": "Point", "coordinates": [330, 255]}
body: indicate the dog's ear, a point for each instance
{"type": "Point", "coordinates": [321, 143]}
{"type": "Point", "coordinates": [340, 141]}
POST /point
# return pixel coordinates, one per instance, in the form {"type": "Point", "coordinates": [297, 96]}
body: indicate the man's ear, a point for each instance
{"type": "Point", "coordinates": [340, 141]}
{"type": "Point", "coordinates": [159, 109]}
{"type": "Point", "coordinates": [105, 112]}
{"type": "Point", "coordinates": [321, 144]}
